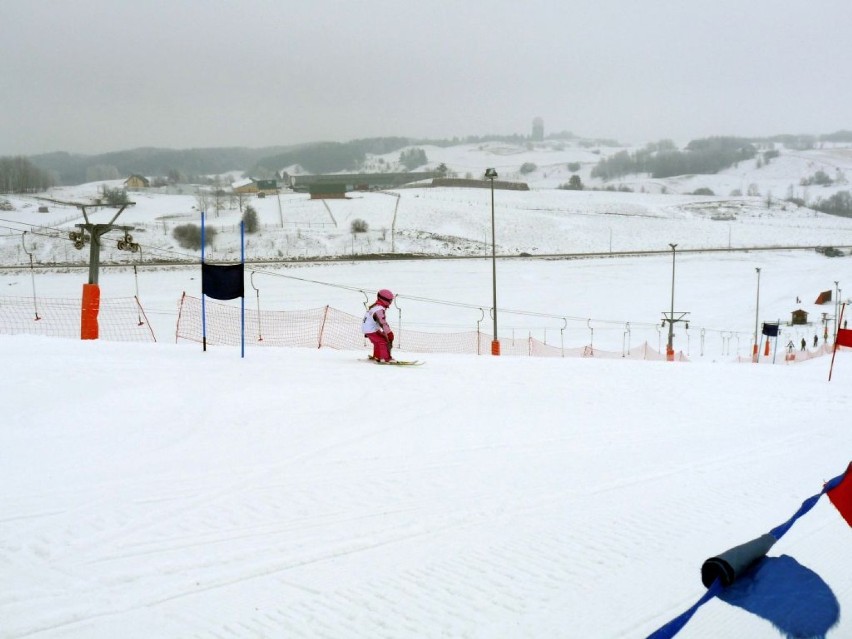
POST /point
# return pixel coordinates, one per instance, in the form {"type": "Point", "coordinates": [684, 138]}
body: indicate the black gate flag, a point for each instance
{"type": "Point", "coordinates": [770, 330]}
{"type": "Point", "coordinates": [222, 282]}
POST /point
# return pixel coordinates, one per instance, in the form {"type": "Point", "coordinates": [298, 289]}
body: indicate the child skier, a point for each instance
{"type": "Point", "coordinates": [376, 327]}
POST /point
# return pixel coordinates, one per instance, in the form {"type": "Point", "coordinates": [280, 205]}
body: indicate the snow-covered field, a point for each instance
{"type": "Point", "coordinates": [154, 490]}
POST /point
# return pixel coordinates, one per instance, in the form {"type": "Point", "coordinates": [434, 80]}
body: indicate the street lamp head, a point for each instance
{"type": "Point", "coordinates": [490, 174]}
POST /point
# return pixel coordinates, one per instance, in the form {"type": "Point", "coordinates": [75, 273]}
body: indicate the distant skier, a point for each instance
{"type": "Point", "coordinates": [804, 343]}
{"type": "Point", "coordinates": [816, 341]}
{"type": "Point", "coordinates": [376, 328]}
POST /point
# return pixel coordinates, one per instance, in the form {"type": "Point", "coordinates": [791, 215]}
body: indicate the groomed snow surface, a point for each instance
{"type": "Point", "coordinates": [154, 490]}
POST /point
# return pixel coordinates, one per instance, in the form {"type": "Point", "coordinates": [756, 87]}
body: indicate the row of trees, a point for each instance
{"type": "Point", "coordinates": [663, 159]}
{"type": "Point", "coordinates": [838, 204]}
{"type": "Point", "coordinates": [181, 165]}
{"type": "Point", "coordinates": [19, 175]}
{"type": "Point", "coordinates": [76, 169]}
{"type": "Point", "coordinates": [802, 142]}
{"type": "Point", "coordinates": [412, 158]}
{"type": "Point", "coordinates": [330, 157]}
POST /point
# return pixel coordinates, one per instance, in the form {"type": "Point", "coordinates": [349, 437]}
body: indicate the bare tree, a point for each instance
{"type": "Point", "coordinates": [202, 197]}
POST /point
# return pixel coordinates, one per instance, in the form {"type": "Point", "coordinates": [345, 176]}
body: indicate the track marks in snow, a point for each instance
{"type": "Point", "coordinates": [417, 528]}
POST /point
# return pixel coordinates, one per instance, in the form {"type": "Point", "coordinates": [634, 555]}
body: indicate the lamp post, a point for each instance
{"type": "Point", "coordinates": [491, 174]}
{"type": "Point", "coordinates": [670, 345]}
{"type": "Point", "coordinates": [754, 353]}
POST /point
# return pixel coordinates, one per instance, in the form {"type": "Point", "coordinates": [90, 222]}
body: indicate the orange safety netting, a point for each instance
{"type": "Point", "coordinates": [118, 320]}
{"type": "Point", "coordinates": [331, 328]}
{"type": "Point", "coordinates": [790, 356]}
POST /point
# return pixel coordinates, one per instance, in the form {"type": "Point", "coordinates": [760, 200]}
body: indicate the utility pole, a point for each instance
{"type": "Point", "coordinates": [670, 347]}
{"type": "Point", "coordinates": [670, 316]}
{"type": "Point", "coordinates": [755, 355]}
{"type": "Point", "coordinates": [836, 305]}
{"type": "Point", "coordinates": [393, 220]}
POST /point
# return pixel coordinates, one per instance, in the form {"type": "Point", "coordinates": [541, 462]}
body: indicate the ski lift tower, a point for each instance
{"type": "Point", "coordinates": [92, 233]}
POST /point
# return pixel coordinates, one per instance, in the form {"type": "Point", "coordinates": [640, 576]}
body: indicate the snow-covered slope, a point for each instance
{"type": "Point", "coordinates": [158, 491]}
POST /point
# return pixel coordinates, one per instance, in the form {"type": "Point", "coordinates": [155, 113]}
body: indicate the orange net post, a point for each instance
{"type": "Point", "coordinates": [89, 316]}
{"type": "Point", "coordinates": [495, 347]}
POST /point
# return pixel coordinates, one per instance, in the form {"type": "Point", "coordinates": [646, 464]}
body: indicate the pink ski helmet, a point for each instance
{"type": "Point", "coordinates": [385, 297]}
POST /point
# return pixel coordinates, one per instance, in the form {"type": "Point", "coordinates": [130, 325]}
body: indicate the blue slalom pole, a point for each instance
{"type": "Point", "coordinates": [203, 306]}
{"type": "Point", "coordinates": [243, 297]}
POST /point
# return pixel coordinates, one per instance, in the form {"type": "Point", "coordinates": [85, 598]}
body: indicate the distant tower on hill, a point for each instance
{"type": "Point", "coordinates": [538, 130]}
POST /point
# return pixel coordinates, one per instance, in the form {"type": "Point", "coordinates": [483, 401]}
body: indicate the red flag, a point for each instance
{"type": "Point", "coordinates": [823, 298]}
{"type": "Point", "coordinates": [844, 337]}
{"type": "Point", "coordinates": [841, 495]}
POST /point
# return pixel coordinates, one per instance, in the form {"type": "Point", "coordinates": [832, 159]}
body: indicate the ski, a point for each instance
{"type": "Point", "coordinates": [396, 362]}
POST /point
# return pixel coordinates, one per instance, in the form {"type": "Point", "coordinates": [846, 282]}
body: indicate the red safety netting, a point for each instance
{"type": "Point", "coordinates": [332, 328]}
{"type": "Point", "coordinates": [119, 319]}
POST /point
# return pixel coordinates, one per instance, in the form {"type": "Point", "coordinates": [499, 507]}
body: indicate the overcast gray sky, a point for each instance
{"type": "Point", "coordinates": [90, 76]}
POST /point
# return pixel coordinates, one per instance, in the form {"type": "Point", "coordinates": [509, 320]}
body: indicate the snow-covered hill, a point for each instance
{"type": "Point", "coordinates": [451, 221]}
